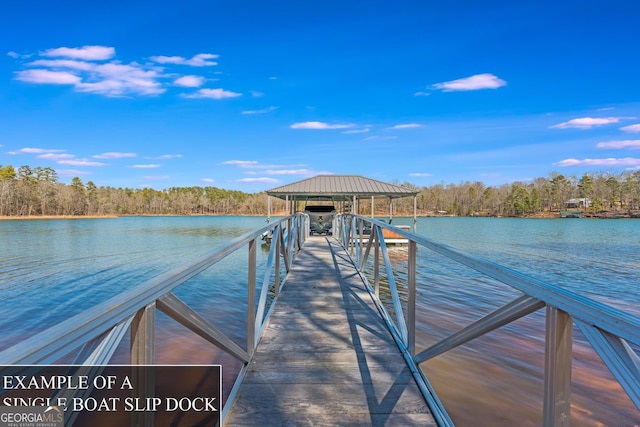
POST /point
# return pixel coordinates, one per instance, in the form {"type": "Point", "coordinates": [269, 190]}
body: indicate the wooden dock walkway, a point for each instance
{"type": "Point", "coordinates": [327, 357]}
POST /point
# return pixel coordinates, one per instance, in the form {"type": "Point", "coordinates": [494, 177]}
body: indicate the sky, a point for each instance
{"type": "Point", "coordinates": [251, 95]}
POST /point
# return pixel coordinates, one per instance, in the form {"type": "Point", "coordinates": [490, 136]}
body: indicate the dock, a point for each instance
{"type": "Point", "coordinates": [326, 357]}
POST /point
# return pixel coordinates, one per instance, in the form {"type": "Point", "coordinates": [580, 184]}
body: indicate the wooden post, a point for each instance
{"type": "Point", "coordinates": [557, 368]}
{"type": "Point", "coordinates": [142, 355]}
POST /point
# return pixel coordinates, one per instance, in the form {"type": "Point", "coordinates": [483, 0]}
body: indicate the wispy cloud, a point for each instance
{"type": "Point", "coordinates": [354, 131]}
{"type": "Point", "coordinates": [631, 128]}
{"type": "Point", "coordinates": [166, 157]}
{"type": "Point", "coordinates": [420, 93]}
{"type": "Point", "coordinates": [208, 180]}
{"type": "Point", "coordinates": [80, 162]}
{"type": "Point", "coordinates": [420, 174]}
{"type": "Point", "coordinates": [586, 122]}
{"type": "Point", "coordinates": [213, 94]}
{"type": "Point", "coordinates": [627, 143]}
{"type": "Point", "coordinates": [114, 155]}
{"type": "Point", "coordinates": [627, 161]}
{"type": "Point", "coordinates": [475, 82]}
{"type": "Point", "coordinates": [263, 111]}
{"type": "Point", "coordinates": [241, 163]}
{"type": "Point", "coordinates": [189, 81]}
{"type": "Point", "coordinates": [147, 166]}
{"type": "Point", "coordinates": [406, 126]}
{"type": "Point", "coordinates": [87, 53]}
{"type": "Point", "coordinates": [289, 172]}
{"type": "Point", "coordinates": [263, 180]}
{"type": "Point", "coordinates": [320, 125]}
{"type": "Point", "coordinates": [199, 60]}
{"type": "Point", "coordinates": [31, 150]}
{"type": "Point", "coordinates": [55, 156]}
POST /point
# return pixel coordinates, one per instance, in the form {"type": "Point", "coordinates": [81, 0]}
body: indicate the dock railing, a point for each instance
{"type": "Point", "coordinates": [610, 331]}
{"type": "Point", "coordinates": [95, 333]}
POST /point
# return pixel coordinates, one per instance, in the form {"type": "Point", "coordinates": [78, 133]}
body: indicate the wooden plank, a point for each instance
{"type": "Point", "coordinates": [326, 357]}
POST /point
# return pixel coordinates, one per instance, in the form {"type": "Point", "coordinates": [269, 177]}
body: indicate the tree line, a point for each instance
{"type": "Point", "coordinates": [37, 191]}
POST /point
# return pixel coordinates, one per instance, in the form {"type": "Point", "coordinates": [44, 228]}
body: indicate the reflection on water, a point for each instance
{"type": "Point", "coordinates": [51, 270]}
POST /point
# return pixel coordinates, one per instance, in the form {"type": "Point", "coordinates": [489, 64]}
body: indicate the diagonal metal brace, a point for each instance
{"type": "Point", "coordinates": [514, 310]}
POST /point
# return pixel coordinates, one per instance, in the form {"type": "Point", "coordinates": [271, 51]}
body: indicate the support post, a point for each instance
{"type": "Point", "coordinates": [415, 213]}
{"type": "Point", "coordinates": [142, 355]}
{"type": "Point", "coordinates": [557, 368]}
{"type": "Point", "coordinates": [251, 299]}
{"type": "Point", "coordinates": [373, 207]}
{"type": "Point", "coordinates": [411, 300]}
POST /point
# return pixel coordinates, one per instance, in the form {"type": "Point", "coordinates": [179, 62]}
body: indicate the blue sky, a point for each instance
{"type": "Point", "coordinates": [249, 95]}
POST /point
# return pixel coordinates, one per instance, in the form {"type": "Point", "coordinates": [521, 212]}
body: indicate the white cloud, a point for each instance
{"type": "Point", "coordinates": [258, 180]}
{"type": "Point", "coordinates": [80, 162]}
{"type": "Point", "coordinates": [189, 81]}
{"type": "Point", "coordinates": [263, 111]}
{"type": "Point", "coordinates": [628, 143]}
{"type": "Point", "coordinates": [55, 156]}
{"type": "Point", "coordinates": [420, 174]}
{"type": "Point", "coordinates": [115, 79]}
{"type": "Point", "coordinates": [354, 131]}
{"type": "Point", "coordinates": [406, 126]}
{"type": "Point", "coordinates": [213, 94]}
{"type": "Point", "coordinates": [48, 77]}
{"type": "Point", "coordinates": [148, 166]}
{"type": "Point", "coordinates": [111, 79]}
{"type": "Point", "coordinates": [421, 93]}
{"type": "Point", "coordinates": [320, 125]}
{"type": "Point", "coordinates": [631, 128]}
{"type": "Point", "coordinates": [586, 122]}
{"type": "Point", "coordinates": [288, 172]}
{"type": "Point", "coordinates": [207, 180]}
{"type": "Point", "coordinates": [627, 161]}
{"type": "Point", "coordinates": [241, 163]}
{"type": "Point", "coordinates": [63, 63]}
{"type": "Point", "coordinates": [199, 60]}
{"type": "Point", "coordinates": [167, 156]}
{"type": "Point", "coordinates": [14, 55]}
{"type": "Point", "coordinates": [476, 82]}
{"type": "Point", "coordinates": [87, 53]}
{"type": "Point", "coordinates": [113, 155]}
{"type": "Point", "coordinates": [29, 150]}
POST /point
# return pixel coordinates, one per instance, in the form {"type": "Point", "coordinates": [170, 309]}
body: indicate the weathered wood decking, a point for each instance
{"type": "Point", "coordinates": [326, 357]}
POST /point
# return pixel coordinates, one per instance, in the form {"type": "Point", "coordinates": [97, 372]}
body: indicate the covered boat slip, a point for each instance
{"type": "Point", "coordinates": [349, 191]}
{"type": "Point", "coordinates": [326, 357]}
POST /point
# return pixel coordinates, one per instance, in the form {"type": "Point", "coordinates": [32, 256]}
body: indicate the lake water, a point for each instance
{"type": "Point", "coordinates": [53, 269]}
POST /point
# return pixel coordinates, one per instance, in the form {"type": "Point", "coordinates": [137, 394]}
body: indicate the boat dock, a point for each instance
{"type": "Point", "coordinates": [326, 356]}
{"type": "Point", "coordinates": [332, 329]}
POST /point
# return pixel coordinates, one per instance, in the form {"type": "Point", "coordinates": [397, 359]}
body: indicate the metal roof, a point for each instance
{"type": "Point", "coordinates": [328, 187]}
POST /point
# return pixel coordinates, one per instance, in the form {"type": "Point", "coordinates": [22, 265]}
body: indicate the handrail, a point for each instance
{"type": "Point", "coordinates": [99, 329]}
{"type": "Point", "coordinates": [610, 331]}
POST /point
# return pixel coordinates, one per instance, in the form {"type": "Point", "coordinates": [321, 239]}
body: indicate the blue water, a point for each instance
{"type": "Point", "coordinates": [53, 269]}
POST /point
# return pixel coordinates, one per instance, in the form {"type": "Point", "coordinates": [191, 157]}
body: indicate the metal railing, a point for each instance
{"type": "Point", "coordinates": [610, 332]}
{"type": "Point", "coordinates": [97, 331]}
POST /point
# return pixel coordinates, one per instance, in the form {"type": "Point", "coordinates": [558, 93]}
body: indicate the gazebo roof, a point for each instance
{"type": "Point", "coordinates": [339, 187]}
